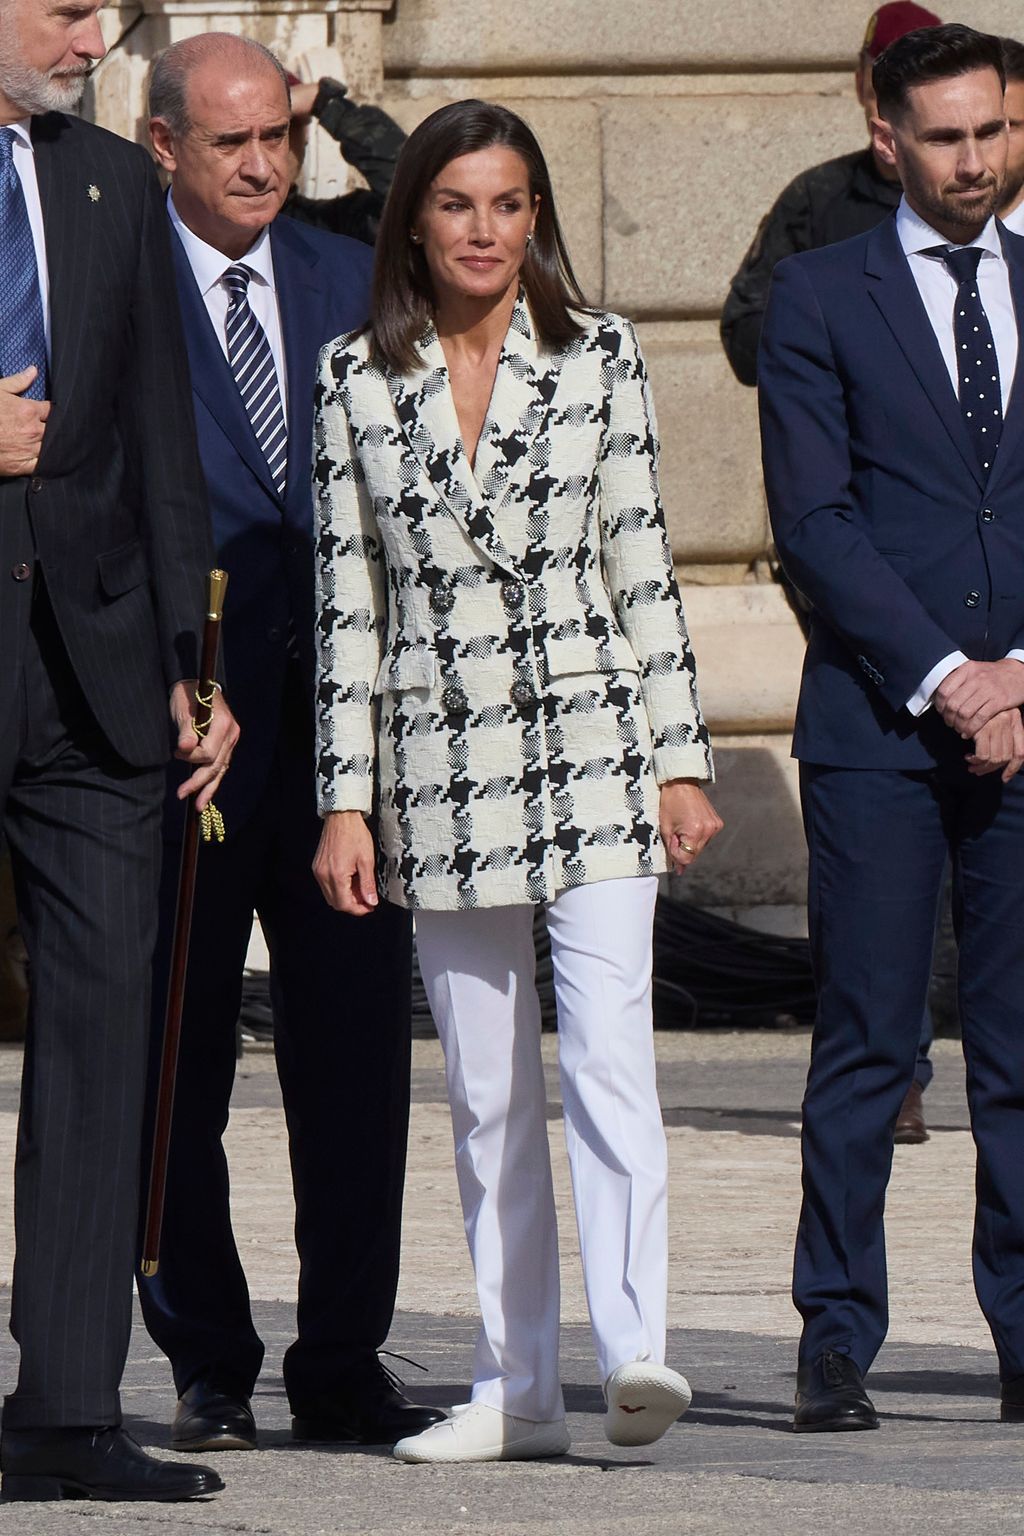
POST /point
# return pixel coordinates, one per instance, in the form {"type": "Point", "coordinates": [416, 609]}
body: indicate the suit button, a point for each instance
{"type": "Point", "coordinates": [972, 599]}
{"type": "Point", "coordinates": [454, 699]}
{"type": "Point", "coordinates": [442, 600]}
{"type": "Point", "coordinates": [988, 515]}
{"type": "Point", "coordinates": [35, 484]}
{"type": "Point", "coordinates": [21, 572]}
{"type": "Point", "coordinates": [512, 594]}
{"type": "Point", "coordinates": [521, 693]}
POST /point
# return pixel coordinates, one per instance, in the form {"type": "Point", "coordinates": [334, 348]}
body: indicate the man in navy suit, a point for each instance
{"type": "Point", "coordinates": [892, 406]}
{"type": "Point", "coordinates": [260, 296]}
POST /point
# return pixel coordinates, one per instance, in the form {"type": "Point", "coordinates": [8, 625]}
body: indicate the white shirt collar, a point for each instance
{"type": "Point", "coordinates": [209, 265]}
{"type": "Point", "coordinates": [22, 130]}
{"type": "Point", "coordinates": [916, 236]}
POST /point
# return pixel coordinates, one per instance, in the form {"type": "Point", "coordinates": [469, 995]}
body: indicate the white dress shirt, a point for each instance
{"type": "Point", "coordinates": [938, 289]}
{"type": "Point", "coordinates": [1014, 221]}
{"type": "Point", "coordinates": [208, 267]}
{"type": "Point", "coordinates": [25, 165]}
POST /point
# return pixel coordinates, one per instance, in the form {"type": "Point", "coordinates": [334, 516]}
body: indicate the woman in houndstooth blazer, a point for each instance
{"type": "Point", "coordinates": [506, 688]}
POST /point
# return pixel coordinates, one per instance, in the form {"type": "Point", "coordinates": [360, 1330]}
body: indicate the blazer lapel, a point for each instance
{"type": "Point", "coordinates": [895, 293]}
{"type": "Point", "coordinates": [1014, 422]}
{"type": "Point", "coordinates": [212, 379]}
{"type": "Point", "coordinates": [303, 299]}
{"type": "Point", "coordinates": [70, 222]}
{"type": "Point", "coordinates": [523, 391]}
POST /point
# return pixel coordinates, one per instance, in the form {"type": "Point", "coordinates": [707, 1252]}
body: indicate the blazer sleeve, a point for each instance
{"type": "Point", "coordinates": [638, 571]}
{"type": "Point", "coordinates": [350, 605]}
{"type": "Point", "coordinates": [805, 447]}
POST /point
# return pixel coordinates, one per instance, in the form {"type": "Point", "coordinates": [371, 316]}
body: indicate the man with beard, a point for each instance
{"type": "Point", "coordinates": [104, 550]}
{"type": "Point", "coordinates": [894, 465]}
{"type": "Point", "coordinates": [1011, 207]}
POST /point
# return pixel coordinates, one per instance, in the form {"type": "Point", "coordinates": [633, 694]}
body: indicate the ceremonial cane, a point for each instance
{"type": "Point", "coordinates": [182, 928]}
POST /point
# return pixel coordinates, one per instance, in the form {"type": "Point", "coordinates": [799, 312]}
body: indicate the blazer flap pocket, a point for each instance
{"type": "Point", "coordinates": [585, 653]}
{"type": "Point", "coordinates": [409, 666]}
{"type": "Point", "coordinates": [122, 569]}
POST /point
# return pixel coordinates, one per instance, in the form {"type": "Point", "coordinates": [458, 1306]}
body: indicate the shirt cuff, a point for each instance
{"type": "Point", "coordinates": [921, 701]}
{"type": "Point", "coordinates": [1015, 656]}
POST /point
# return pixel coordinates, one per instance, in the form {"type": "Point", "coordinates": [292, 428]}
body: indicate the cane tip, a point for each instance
{"type": "Point", "coordinates": [150, 1266]}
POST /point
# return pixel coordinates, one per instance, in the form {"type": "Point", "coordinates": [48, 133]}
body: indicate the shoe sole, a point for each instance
{"type": "Point", "coordinates": [658, 1404]}
{"type": "Point", "coordinates": [834, 1426]}
{"type": "Point", "coordinates": [910, 1139]}
{"type": "Point", "coordinates": [225, 1442]}
{"type": "Point", "coordinates": [487, 1453]}
{"type": "Point", "coordinates": [47, 1489]}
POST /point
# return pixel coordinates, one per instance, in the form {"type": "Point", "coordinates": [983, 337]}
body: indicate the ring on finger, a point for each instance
{"type": "Point", "coordinates": [687, 847]}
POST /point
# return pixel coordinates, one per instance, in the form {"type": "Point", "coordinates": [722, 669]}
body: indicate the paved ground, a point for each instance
{"type": "Point", "coordinates": [941, 1462]}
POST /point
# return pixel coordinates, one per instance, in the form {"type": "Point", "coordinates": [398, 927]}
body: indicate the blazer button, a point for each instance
{"type": "Point", "coordinates": [512, 594]}
{"type": "Point", "coordinates": [21, 572]}
{"type": "Point", "coordinates": [972, 599]}
{"type": "Point", "coordinates": [442, 600]}
{"type": "Point", "coordinates": [988, 515]}
{"type": "Point", "coordinates": [35, 484]}
{"type": "Point", "coordinates": [521, 693]}
{"type": "Point", "coordinates": [454, 699]}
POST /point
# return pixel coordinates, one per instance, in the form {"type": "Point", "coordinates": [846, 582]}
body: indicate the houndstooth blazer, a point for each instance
{"type": "Point", "coordinates": [502, 653]}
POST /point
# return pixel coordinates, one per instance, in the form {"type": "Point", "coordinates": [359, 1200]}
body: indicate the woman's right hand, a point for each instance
{"type": "Point", "coordinates": [344, 864]}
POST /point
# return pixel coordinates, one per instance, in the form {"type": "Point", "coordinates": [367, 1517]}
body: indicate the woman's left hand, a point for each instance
{"type": "Point", "coordinates": [687, 820]}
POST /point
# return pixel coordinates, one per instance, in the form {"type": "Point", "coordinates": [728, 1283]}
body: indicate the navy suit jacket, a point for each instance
{"type": "Point", "coordinates": [880, 511]}
{"type": "Point", "coordinates": [265, 541]}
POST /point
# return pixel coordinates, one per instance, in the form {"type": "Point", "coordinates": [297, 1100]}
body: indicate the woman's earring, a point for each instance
{"type": "Point", "coordinates": [416, 239]}
{"type": "Point", "coordinates": [529, 238]}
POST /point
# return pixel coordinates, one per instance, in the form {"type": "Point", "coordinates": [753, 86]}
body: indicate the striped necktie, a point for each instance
{"type": "Point", "coordinates": [22, 335]}
{"type": "Point", "coordinates": [252, 364]}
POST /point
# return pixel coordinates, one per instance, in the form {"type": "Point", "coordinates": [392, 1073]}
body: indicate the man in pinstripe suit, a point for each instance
{"type": "Point", "coordinates": [104, 542]}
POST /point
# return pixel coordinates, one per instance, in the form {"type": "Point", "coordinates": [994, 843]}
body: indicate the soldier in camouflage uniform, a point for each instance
{"type": "Point", "coordinates": [830, 202]}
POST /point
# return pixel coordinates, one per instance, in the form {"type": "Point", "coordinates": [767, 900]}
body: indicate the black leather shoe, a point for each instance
{"type": "Point", "coordinates": [209, 1418]}
{"type": "Point", "coordinates": [1011, 1401]}
{"type": "Point", "coordinates": [94, 1464]}
{"type": "Point", "coordinates": [367, 1407]}
{"type": "Point", "coordinates": [830, 1395]}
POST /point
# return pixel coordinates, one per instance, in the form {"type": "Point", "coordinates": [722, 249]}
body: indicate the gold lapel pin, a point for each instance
{"type": "Point", "coordinates": [94, 192]}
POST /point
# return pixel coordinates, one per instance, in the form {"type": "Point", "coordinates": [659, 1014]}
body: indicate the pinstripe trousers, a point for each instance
{"type": "Point", "coordinates": [84, 836]}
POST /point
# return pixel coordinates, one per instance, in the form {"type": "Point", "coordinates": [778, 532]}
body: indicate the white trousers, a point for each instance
{"type": "Point", "coordinates": [479, 974]}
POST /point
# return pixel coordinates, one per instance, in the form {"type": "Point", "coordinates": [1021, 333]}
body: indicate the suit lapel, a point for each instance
{"type": "Point", "coordinates": [1014, 422]}
{"type": "Point", "coordinates": [518, 408]}
{"type": "Point", "coordinates": [895, 292]}
{"type": "Point", "coordinates": [212, 379]}
{"type": "Point", "coordinates": [303, 300]}
{"type": "Point", "coordinates": [70, 221]}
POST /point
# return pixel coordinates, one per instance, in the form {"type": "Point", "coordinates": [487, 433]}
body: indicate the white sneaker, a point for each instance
{"type": "Point", "coordinates": [481, 1433]}
{"type": "Point", "coordinates": [643, 1400]}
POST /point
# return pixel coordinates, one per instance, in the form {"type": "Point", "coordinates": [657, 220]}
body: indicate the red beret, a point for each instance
{"type": "Point", "coordinates": [894, 20]}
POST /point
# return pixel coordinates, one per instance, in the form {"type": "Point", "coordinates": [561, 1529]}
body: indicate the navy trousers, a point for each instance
{"type": "Point", "coordinates": [341, 996]}
{"type": "Point", "coordinates": [878, 842]}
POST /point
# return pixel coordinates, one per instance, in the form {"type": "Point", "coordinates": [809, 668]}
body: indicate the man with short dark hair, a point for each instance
{"type": "Point", "coordinates": [260, 296]}
{"type": "Point", "coordinates": [105, 551]}
{"type": "Point", "coordinates": [893, 442]}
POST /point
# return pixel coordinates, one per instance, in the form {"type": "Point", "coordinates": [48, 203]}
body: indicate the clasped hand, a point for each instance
{"type": "Point", "coordinates": [976, 691]}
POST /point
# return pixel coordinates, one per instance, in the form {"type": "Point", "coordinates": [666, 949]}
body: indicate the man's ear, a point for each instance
{"type": "Point", "coordinates": [163, 144]}
{"type": "Point", "coordinates": [883, 141]}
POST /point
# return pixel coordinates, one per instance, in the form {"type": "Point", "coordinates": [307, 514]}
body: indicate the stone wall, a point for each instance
{"type": "Point", "coordinates": [670, 127]}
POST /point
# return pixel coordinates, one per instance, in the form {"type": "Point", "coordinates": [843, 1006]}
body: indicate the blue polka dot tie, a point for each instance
{"type": "Point", "coordinates": [252, 363]}
{"type": "Point", "coordinates": [22, 335]}
{"type": "Point", "coordinates": [981, 401]}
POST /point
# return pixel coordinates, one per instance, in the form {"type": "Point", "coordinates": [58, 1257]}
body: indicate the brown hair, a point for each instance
{"type": "Point", "coordinates": [403, 295]}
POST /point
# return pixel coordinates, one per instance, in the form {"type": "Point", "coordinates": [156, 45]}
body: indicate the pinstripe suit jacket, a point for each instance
{"type": "Point", "coordinates": [502, 650]}
{"type": "Point", "coordinates": [115, 514]}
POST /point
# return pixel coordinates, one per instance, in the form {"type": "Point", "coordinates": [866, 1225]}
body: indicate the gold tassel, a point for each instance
{"type": "Point", "coordinates": [211, 824]}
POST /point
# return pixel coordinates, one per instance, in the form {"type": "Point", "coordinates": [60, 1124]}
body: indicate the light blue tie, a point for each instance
{"type": "Point", "coordinates": [252, 364]}
{"type": "Point", "coordinates": [22, 334]}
